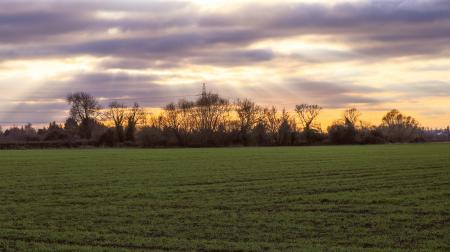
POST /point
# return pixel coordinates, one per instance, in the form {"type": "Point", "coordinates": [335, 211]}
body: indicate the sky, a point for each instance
{"type": "Point", "coordinates": [373, 55]}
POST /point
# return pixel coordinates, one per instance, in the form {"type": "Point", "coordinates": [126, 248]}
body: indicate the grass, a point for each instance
{"type": "Point", "coordinates": [351, 198]}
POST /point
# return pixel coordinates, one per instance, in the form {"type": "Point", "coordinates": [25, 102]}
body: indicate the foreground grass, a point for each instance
{"type": "Point", "coordinates": [387, 197]}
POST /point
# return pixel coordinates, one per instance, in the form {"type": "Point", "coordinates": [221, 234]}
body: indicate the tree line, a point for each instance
{"type": "Point", "coordinates": [211, 120]}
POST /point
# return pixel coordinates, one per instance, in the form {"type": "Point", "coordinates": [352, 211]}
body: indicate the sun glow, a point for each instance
{"type": "Point", "coordinates": [302, 44]}
{"type": "Point", "coordinates": [111, 15]}
{"type": "Point", "coordinates": [55, 69]}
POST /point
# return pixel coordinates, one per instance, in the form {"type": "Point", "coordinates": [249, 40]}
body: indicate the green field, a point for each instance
{"type": "Point", "coordinates": [352, 198]}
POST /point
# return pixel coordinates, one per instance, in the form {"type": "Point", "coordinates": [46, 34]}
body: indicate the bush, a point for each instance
{"type": "Point", "coordinates": [151, 137]}
{"type": "Point", "coordinates": [342, 134]}
{"type": "Point", "coordinates": [311, 136]}
{"type": "Point", "coordinates": [108, 138]}
{"type": "Point", "coordinates": [371, 136]}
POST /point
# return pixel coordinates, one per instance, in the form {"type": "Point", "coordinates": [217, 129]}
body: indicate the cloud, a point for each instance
{"type": "Point", "coordinates": [235, 58]}
{"type": "Point", "coordinates": [143, 88]}
{"type": "Point", "coordinates": [332, 95]}
{"type": "Point", "coordinates": [432, 68]}
{"type": "Point", "coordinates": [376, 28]}
{"type": "Point", "coordinates": [46, 104]}
{"type": "Point", "coordinates": [24, 27]}
{"type": "Point", "coordinates": [36, 112]}
{"type": "Point", "coordinates": [325, 88]}
{"type": "Point", "coordinates": [423, 89]}
{"type": "Point", "coordinates": [124, 63]}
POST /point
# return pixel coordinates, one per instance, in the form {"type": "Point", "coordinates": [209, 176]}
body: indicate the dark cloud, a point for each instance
{"type": "Point", "coordinates": [46, 104]}
{"type": "Point", "coordinates": [326, 88]}
{"type": "Point", "coordinates": [359, 14]}
{"type": "Point", "coordinates": [349, 101]}
{"type": "Point", "coordinates": [370, 27]}
{"type": "Point", "coordinates": [403, 49]}
{"type": "Point", "coordinates": [48, 21]}
{"type": "Point", "coordinates": [333, 95]}
{"type": "Point", "coordinates": [116, 86]}
{"type": "Point", "coordinates": [138, 64]}
{"type": "Point", "coordinates": [423, 89]}
{"type": "Point", "coordinates": [31, 26]}
{"type": "Point", "coordinates": [376, 28]}
{"type": "Point", "coordinates": [38, 112]}
{"type": "Point", "coordinates": [177, 45]}
{"type": "Point", "coordinates": [235, 58]}
{"type": "Point", "coordinates": [136, 47]}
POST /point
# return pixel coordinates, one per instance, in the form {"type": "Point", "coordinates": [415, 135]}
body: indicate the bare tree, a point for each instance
{"type": "Point", "coordinates": [351, 116]}
{"type": "Point", "coordinates": [396, 119]}
{"type": "Point", "coordinates": [272, 122]}
{"type": "Point", "coordinates": [117, 113]}
{"type": "Point", "coordinates": [154, 120]}
{"type": "Point", "coordinates": [400, 128]}
{"type": "Point", "coordinates": [71, 127]}
{"type": "Point", "coordinates": [307, 113]}
{"type": "Point", "coordinates": [285, 129]}
{"type": "Point", "coordinates": [84, 110]}
{"type": "Point", "coordinates": [171, 115]}
{"type": "Point", "coordinates": [179, 118]}
{"type": "Point", "coordinates": [133, 116]}
{"type": "Point", "coordinates": [248, 114]}
{"type": "Point", "coordinates": [186, 118]}
{"type": "Point", "coordinates": [210, 113]}
{"type": "Point", "coordinates": [344, 131]}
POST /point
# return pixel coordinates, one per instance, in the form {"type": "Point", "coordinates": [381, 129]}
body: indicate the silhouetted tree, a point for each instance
{"type": "Point", "coordinates": [447, 131]}
{"type": "Point", "coordinates": [341, 133]}
{"type": "Point", "coordinates": [24, 133]}
{"type": "Point", "coordinates": [117, 113]}
{"type": "Point", "coordinates": [209, 112]}
{"type": "Point", "coordinates": [260, 134]}
{"type": "Point", "coordinates": [108, 138]}
{"type": "Point", "coordinates": [151, 137]}
{"type": "Point", "coordinates": [134, 115]}
{"type": "Point", "coordinates": [84, 110]}
{"type": "Point", "coordinates": [399, 128]}
{"type": "Point", "coordinates": [285, 130]}
{"type": "Point", "coordinates": [207, 122]}
{"type": "Point", "coordinates": [55, 132]}
{"type": "Point", "coordinates": [345, 131]}
{"type": "Point", "coordinates": [178, 118]}
{"type": "Point", "coordinates": [248, 114]}
{"type": "Point", "coordinates": [369, 134]}
{"type": "Point", "coordinates": [71, 127]}
{"type": "Point", "coordinates": [307, 113]}
{"type": "Point", "coordinates": [351, 117]}
{"type": "Point", "coordinates": [272, 122]}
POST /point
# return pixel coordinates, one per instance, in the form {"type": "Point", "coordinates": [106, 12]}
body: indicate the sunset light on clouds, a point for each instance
{"type": "Point", "coordinates": [373, 55]}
